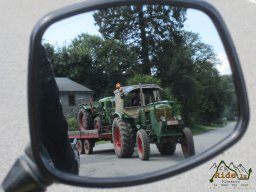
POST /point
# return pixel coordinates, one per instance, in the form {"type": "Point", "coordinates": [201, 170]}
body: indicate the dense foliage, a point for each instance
{"type": "Point", "coordinates": [149, 45]}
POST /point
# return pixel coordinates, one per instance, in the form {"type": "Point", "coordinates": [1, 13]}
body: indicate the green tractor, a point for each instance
{"type": "Point", "coordinates": [96, 115]}
{"type": "Point", "coordinates": [94, 124]}
{"type": "Point", "coordinates": [143, 117]}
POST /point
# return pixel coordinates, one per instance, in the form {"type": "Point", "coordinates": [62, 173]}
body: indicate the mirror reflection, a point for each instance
{"type": "Point", "coordinates": [142, 87]}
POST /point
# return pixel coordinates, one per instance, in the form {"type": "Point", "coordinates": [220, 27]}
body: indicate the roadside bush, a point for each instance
{"type": "Point", "coordinates": [72, 123]}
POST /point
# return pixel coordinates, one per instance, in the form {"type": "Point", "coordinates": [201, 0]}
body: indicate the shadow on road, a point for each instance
{"type": "Point", "coordinates": [104, 151]}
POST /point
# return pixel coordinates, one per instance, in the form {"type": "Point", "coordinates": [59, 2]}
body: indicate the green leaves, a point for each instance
{"type": "Point", "coordinates": [143, 79]}
{"type": "Point", "coordinates": [142, 28]}
{"type": "Point", "coordinates": [92, 61]}
{"type": "Point", "coordinates": [148, 44]}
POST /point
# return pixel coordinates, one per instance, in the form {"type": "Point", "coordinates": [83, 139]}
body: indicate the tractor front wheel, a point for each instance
{"type": "Point", "coordinates": [187, 143]}
{"type": "Point", "coordinates": [122, 136]}
{"type": "Point", "coordinates": [143, 144]}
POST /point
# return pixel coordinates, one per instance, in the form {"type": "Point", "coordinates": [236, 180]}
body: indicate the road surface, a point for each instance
{"type": "Point", "coordinates": [104, 163]}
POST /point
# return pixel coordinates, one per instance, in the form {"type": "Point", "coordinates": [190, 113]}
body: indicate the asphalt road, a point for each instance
{"type": "Point", "coordinates": [104, 159]}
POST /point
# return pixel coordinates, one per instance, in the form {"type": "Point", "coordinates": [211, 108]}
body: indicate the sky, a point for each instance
{"type": "Point", "coordinates": [64, 31]}
{"type": "Point", "coordinates": [199, 22]}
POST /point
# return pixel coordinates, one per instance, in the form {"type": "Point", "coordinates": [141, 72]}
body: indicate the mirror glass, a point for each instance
{"type": "Point", "coordinates": [142, 87]}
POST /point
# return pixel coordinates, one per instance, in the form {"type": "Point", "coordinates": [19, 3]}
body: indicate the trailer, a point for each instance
{"type": "Point", "coordinates": [86, 139]}
{"type": "Point", "coordinates": [94, 124]}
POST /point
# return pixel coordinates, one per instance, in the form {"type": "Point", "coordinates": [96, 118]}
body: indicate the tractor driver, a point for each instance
{"type": "Point", "coordinates": [136, 100]}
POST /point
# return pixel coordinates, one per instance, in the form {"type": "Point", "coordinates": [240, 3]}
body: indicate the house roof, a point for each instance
{"type": "Point", "coordinates": [67, 85]}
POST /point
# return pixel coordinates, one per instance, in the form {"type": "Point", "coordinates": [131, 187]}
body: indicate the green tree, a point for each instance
{"type": "Point", "coordinates": [147, 44]}
{"type": "Point", "coordinates": [143, 79]}
{"type": "Point", "coordinates": [142, 28]}
{"type": "Point", "coordinates": [230, 106]}
{"type": "Point", "coordinates": [189, 70]}
{"type": "Point", "coordinates": [93, 62]}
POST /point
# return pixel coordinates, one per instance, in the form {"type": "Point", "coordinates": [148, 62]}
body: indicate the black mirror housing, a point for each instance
{"type": "Point", "coordinates": [34, 101]}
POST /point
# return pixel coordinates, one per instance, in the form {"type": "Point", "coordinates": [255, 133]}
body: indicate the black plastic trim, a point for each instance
{"type": "Point", "coordinates": [89, 5]}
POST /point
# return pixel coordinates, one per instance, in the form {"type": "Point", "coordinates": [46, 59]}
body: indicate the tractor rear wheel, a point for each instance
{"type": "Point", "coordinates": [143, 144]}
{"type": "Point", "coordinates": [84, 120]}
{"type": "Point", "coordinates": [187, 143]}
{"type": "Point", "coordinates": [88, 146]}
{"type": "Point", "coordinates": [167, 148]}
{"type": "Point", "coordinates": [122, 135]}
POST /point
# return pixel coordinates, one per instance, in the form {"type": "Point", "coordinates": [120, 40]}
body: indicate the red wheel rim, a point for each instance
{"type": "Point", "coordinates": [117, 137]}
{"type": "Point", "coordinates": [140, 146]}
{"type": "Point", "coordinates": [79, 146]}
{"type": "Point", "coordinates": [86, 146]}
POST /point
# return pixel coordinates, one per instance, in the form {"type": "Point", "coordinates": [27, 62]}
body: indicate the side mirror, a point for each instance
{"type": "Point", "coordinates": [181, 45]}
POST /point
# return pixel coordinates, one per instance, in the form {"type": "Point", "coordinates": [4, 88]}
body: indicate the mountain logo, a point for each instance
{"type": "Point", "coordinates": [231, 171]}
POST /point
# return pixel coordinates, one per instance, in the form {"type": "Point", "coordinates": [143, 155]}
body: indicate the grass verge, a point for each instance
{"type": "Point", "coordinates": [199, 129]}
{"type": "Point", "coordinates": [102, 142]}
